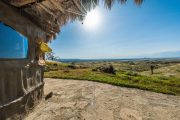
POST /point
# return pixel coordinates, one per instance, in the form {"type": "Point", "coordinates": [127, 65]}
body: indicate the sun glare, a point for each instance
{"type": "Point", "coordinates": [92, 19]}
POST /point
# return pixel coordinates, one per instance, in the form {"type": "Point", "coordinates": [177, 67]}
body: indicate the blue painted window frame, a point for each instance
{"type": "Point", "coordinates": [13, 45]}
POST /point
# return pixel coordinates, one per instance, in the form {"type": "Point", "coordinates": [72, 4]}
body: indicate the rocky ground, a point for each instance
{"type": "Point", "coordinates": [85, 100]}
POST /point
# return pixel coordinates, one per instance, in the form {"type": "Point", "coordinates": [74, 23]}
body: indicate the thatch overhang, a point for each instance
{"type": "Point", "coordinates": [48, 15]}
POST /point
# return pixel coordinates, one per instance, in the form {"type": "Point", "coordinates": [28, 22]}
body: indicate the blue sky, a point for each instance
{"type": "Point", "coordinates": [125, 31]}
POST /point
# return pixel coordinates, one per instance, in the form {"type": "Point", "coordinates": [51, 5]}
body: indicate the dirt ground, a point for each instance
{"type": "Point", "coordinates": [85, 100]}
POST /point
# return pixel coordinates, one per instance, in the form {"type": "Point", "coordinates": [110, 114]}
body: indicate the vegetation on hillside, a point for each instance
{"type": "Point", "coordinates": [166, 77]}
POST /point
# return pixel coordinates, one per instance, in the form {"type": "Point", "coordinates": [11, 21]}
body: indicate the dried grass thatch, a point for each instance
{"type": "Point", "coordinates": [51, 15]}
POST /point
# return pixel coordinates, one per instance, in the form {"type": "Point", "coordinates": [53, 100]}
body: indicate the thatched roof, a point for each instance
{"type": "Point", "coordinates": [50, 15]}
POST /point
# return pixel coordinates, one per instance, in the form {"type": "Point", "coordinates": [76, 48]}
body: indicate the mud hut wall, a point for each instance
{"type": "Point", "coordinates": [10, 85]}
{"type": "Point", "coordinates": [16, 82]}
{"type": "Point", "coordinates": [13, 18]}
{"type": "Point", "coordinates": [19, 76]}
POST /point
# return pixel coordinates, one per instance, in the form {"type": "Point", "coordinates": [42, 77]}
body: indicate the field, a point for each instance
{"type": "Point", "coordinates": [135, 74]}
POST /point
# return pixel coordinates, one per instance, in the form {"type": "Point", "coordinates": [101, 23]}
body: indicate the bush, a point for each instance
{"type": "Point", "coordinates": [55, 64]}
{"type": "Point", "coordinates": [106, 69]}
{"type": "Point", "coordinates": [46, 69]}
{"type": "Point", "coordinates": [130, 73]}
{"type": "Point", "coordinates": [72, 66]}
{"type": "Point", "coordinates": [178, 70]}
{"type": "Point", "coordinates": [131, 63]}
{"type": "Point", "coordinates": [94, 69]}
{"type": "Point", "coordinates": [66, 71]}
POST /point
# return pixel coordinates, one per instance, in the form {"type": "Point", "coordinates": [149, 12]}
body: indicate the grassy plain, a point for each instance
{"type": "Point", "coordinates": [134, 74]}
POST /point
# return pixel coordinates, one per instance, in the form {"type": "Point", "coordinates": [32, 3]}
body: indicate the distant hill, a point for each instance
{"type": "Point", "coordinates": [116, 60]}
{"type": "Point", "coordinates": [169, 54]}
{"type": "Point", "coordinates": [156, 56]}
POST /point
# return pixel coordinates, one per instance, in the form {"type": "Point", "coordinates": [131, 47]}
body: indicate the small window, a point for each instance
{"type": "Point", "coordinates": [13, 45]}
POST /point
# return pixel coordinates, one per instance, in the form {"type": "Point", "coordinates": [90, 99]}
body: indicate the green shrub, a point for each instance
{"type": "Point", "coordinates": [130, 73]}
{"type": "Point", "coordinates": [105, 69]}
{"type": "Point", "coordinates": [178, 70]}
{"type": "Point", "coordinates": [108, 69]}
{"type": "Point", "coordinates": [72, 66]}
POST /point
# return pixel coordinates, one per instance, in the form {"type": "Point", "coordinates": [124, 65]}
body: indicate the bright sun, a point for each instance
{"type": "Point", "coordinates": [92, 19]}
